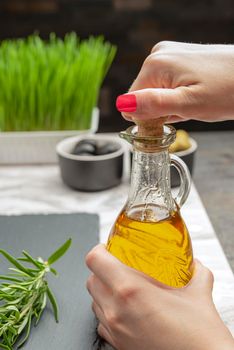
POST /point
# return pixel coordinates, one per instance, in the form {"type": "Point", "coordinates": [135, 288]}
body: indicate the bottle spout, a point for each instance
{"type": "Point", "coordinates": [126, 136]}
{"type": "Point", "coordinates": [149, 142]}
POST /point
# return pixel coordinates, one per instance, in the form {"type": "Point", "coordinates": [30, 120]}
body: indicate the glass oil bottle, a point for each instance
{"type": "Point", "coordinates": [149, 233]}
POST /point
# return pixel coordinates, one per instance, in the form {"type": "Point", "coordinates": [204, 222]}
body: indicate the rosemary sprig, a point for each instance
{"type": "Point", "coordinates": [23, 296]}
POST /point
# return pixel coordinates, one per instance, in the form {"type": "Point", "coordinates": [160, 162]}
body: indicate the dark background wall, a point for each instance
{"type": "Point", "coordinates": [133, 25]}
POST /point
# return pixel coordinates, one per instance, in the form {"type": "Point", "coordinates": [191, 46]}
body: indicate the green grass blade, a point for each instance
{"type": "Point", "coordinates": [51, 85]}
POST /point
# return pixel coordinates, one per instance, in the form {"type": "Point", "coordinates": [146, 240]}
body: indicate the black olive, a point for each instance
{"type": "Point", "coordinates": [85, 147]}
{"type": "Point", "coordinates": [88, 141]}
{"type": "Point", "coordinates": [84, 154]}
{"type": "Point", "coordinates": [106, 149]}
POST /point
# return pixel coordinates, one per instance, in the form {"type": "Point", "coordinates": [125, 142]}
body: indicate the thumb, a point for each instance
{"type": "Point", "coordinates": [202, 282]}
{"type": "Point", "coordinates": [151, 103]}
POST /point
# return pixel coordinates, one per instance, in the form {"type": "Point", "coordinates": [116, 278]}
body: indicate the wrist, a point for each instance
{"type": "Point", "coordinates": [227, 344]}
{"type": "Point", "coordinates": [221, 340]}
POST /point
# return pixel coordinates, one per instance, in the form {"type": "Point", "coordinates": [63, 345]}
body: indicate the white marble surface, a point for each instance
{"type": "Point", "coordinates": [39, 189]}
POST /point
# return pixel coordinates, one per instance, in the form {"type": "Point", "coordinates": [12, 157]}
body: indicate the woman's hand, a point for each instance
{"type": "Point", "coordinates": [138, 313]}
{"type": "Point", "coordinates": [183, 81]}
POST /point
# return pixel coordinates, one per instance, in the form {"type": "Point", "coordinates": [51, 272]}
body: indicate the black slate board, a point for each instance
{"type": "Point", "coordinates": [40, 235]}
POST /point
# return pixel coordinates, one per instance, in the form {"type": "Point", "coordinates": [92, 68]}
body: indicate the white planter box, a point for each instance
{"type": "Point", "coordinates": [35, 147]}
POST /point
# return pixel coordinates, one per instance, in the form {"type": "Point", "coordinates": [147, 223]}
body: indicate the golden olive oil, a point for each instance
{"type": "Point", "coordinates": [160, 249]}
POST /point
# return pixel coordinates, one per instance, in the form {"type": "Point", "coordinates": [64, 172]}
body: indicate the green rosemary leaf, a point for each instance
{"type": "Point", "coordinates": [53, 271]}
{"type": "Point", "coordinates": [6, 296]}
{"type": "Point", "coordinates": [27, 333]}
{"type": "Point", "coordinates": [16, 311]}
{"type": "Point", "coordinates": [22, 259]}
{"type": "Point", "coordinates": [60, 252]}
{"type": "Point", "coordinates": [3, 310]}
{"type": "Point", "coordinates": [38, 317]}
{"type": "Point", "coordinates": [23, 324]}
{"type": "Point", "coordinates": [14, 262]}
{"type": "Point", "coordinates": [15, 301]}
{"type": "Point", "coordinates": [8, 278]}
{"type": "Point", "coordinates": [6, 340]}
{"type": "Point", "coordinates": [12, 330]}
{"type": "Point", "coordinates": [17, 286]}
{"type": "Point", "coordinates": [2, 346]}
{"type": "Point", "coordinates": [12, 308]}
{"type": "Point", "coordinates": [32, 260]}
{"type": "Point", "coordinates": [19, 273]}
{"type": "Point", "coordinates": [44, 300]}
{"type": "Point", "coordinates": [53, 303]}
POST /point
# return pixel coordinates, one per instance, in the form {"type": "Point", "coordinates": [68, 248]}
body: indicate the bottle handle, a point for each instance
{"type": "Point", "coordinates": [185, 179]}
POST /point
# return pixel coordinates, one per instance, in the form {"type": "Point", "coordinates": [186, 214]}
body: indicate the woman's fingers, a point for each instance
{"type": "Point", "coordinates": [202, 282]}
{"type": "Point", "coordinates": [110, 275]}
{"type": "Point", "coordinates": [175, 119]}
{"type": "Point", "coordinates": [106, 267]}
{"type": "Point", "coordinates": [99, 292]}
{"type": "Point", "coordinates": [152, 103]}
{"type": "Point", "coordinates": [104, 333]}
{"type": "Point", "coordinates": [99, 313]}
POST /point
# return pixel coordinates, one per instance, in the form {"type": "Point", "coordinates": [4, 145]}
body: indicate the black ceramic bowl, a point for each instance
{"type": "Point", "coordinates": [188, 156]}
{"type": "Point", "coordinates": [91, 172]}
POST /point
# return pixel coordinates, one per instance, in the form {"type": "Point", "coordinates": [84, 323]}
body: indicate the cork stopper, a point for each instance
{"type": "Point", "coordinates": [150, 127]}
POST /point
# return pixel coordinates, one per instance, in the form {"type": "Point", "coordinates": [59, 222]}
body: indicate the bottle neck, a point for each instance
{"type": "Point", "coordinates": [150, 197]}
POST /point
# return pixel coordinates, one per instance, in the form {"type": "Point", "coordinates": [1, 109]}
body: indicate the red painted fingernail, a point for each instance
{"type": "Point", "coordinates": [126, 103]}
